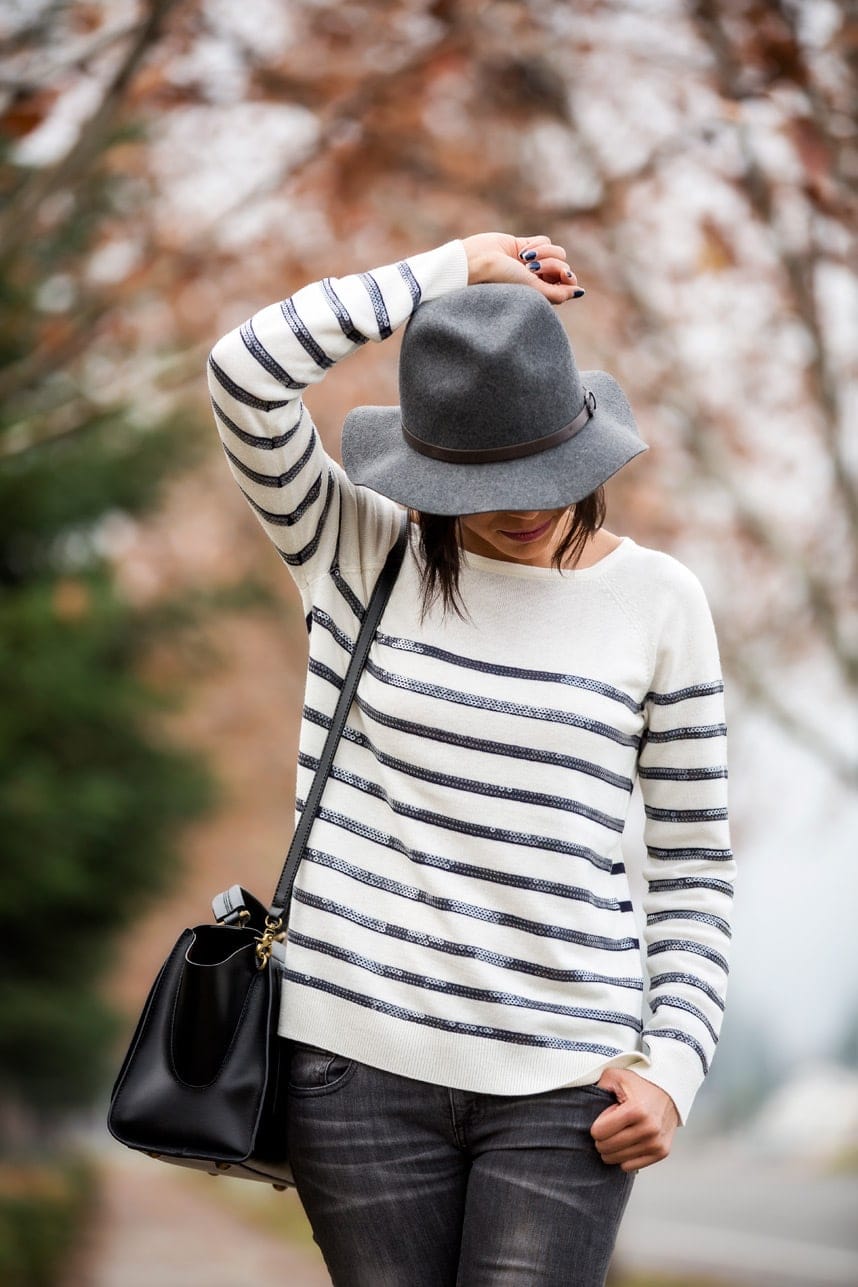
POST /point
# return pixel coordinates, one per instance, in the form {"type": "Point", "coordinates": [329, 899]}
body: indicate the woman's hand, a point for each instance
{"type": "Point", "coordinates": [524, 261]}
{"type": "Point", "coordinates": [638, 1129]}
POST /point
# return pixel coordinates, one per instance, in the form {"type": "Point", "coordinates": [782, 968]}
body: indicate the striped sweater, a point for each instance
{"type": "Point", "coordinates": [463, 913]}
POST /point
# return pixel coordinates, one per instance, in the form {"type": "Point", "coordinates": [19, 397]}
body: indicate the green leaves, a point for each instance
{"type": "Point", "coordinates": [90, 800]}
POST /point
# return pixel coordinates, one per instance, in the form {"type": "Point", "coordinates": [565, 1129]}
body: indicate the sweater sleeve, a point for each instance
{"type": "Point", "coordinates": [257, 374]}
{"type": "Point", "coordinates": [689, 868]}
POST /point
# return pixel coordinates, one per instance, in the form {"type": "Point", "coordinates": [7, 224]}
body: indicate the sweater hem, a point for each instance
{"type": "Point", "coordinates": [451, 1059]}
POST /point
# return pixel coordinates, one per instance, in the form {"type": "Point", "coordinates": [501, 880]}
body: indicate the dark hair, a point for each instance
{"type": "Point", "coordinates": [440, 545]}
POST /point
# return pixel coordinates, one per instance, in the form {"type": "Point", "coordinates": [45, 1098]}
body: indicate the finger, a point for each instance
{"type": "Point", "coordinates": [550, 268]}
{"type": "Point", "coordinates": [531, 243]}
{"type": "Point", "coordinates": [555, 292]}
{"type": "Point", "coordinates": [654, 1147]}
{"type": "Point", "coordinates": [544, 250]}
{"type": "Point", "coordinates": [640, 1148]}
{"type": "Point", "coordinates": [617, 1119]}
{"type": "Point", "coordinates": [625, 1141]}
{"type": "Point", "coordinates": [545, 254]}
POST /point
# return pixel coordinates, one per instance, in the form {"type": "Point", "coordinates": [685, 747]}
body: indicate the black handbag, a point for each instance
{"type": "Point", "coordinates": [203, 1083]}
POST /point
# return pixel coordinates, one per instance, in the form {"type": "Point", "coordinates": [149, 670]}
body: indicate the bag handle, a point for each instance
{"type": "Point", "coordinates": [375, 608]}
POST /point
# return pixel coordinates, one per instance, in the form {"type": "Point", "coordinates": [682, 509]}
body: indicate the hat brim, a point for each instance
{"type": "Point", "coordinates": [376, 455]}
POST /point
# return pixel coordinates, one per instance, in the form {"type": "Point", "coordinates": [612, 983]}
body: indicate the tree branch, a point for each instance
{"type": "Point", "coordinates": [700, 432]}
{"type": "Point", "coordinates": [800, 270]}
{"type": "Point", "coordinates": [16, 223]}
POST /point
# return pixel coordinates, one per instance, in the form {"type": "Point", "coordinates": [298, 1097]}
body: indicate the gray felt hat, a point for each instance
{"type": "Point", "coordinates": [494, 413]}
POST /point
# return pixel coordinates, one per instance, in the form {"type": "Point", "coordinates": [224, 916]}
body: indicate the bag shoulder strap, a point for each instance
{"type": "Point", "coordinates": [375, 608]}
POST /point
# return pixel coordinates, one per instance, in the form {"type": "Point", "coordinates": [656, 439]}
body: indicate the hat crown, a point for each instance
{"type": "Point", "coordinates": [489, 366]}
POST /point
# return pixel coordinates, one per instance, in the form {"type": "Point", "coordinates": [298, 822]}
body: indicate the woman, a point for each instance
{"type": "Point", "coordinates": [474, 1080]}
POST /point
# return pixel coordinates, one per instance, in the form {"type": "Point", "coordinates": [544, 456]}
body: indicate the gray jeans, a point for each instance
{"type": "Point", "coordinates": [407, 1184]}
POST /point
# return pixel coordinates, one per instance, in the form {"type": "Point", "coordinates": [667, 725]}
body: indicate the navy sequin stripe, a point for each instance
{"type": "Point", "coordinates": [467, 951]}
{"type": "Point", "coordinates": [424, 815]}
{"type": "Point", "coordinates": [685, 815]}
{"type": "Point", "coordinates": [295, 515]}
{"type": "Point", "coordinates": [683, 775]}
{"type": "Point", "coordinates": [342, 586]}
{"type": "Point", "coordinates": [475, 787]}
{"type": "Point", "coordinates": [692, 882]}
{"type": "Point", "coordinates": [687, 734]}
{"type": "Point", "coordinates": [690, 852]}
{"type": "Point", "coordinates": [346, 592]}
{"type": "Point", "coordinates": [500, 835]}
{"type": "Point", "coordinates": [449, 1025]}
{"type": "Point", "coordinates": [691, 981]}
{"type": "Point", "coordinates": [296, 560]}
{"type": "Point", "coordinates": [510, 672]}
{"type": "Point", "coordinates": [488, 915]}
{"type": "Point", "coordinates": [321, 671]}
{"type": "Point", "coordinates": [272, 480]}
{"type": "Point", "coordinates": [513, 879]}
{"type": "Point", "coordinates": [683, 694]}
{"type": "Point", "coordinates": [679, 1003]}
{"type": "Point", "coordinates": [702, 918]}
{"type": "Point", "coordinates": [535, 755]}
{"type": "Point", "coordinates": [241, 395]}
{"type": "Point", "coordinates": [432, 984]}
{"type": "Point", "coordinates": [326, 621]}
{"type": "Point", "coordinates": [411, 282]}
{"type": "Point", "coordinates": [264, 358]}
{"type": "Point", "coordinates": [303, 336]}
{"type": "Point", "coordinates": [377, 299]}
{"type": "Point", "coordinates": [260, 441]}
{"type": "Point", "coordinates": [342, 314]}
{"type": "Point", "coordinates": [503, 707]}
{"type": "Point", "coordinates": [688, 945]}
{"type": "Point", "coordinates": [677, 1035]}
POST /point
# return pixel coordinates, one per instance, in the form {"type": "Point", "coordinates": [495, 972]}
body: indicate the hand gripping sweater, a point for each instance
{"type": "Point", "coordinates": [463, 914]}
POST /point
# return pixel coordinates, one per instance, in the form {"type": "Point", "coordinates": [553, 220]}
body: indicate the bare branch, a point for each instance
{"type": "Point", "coordinates": [75, 415]}
{"type": "Point", "coordinates": [16, 222]}
{"type": "Point", "coordinates": [800, 270]}
{"type": "Point", "coordinates": [38, 363]}
{"type": "Point", "coordinates": [76, 57]}
{"type": "Point", "coordinates": [33, 33]}
{"type": "Point", "coordinates": [700, 435]}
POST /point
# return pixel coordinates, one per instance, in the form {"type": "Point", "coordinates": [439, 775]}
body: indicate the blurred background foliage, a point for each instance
{"type": "Point", "coordinates": [167, 166]}
{"type": "Point", "coordinates": [90, 792]}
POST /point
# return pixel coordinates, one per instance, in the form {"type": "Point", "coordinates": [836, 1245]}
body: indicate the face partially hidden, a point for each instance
{"type": "Point", "coordinates": [521, 536]}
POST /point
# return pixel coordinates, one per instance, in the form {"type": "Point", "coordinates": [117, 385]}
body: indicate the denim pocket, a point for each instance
{"type": "Point", "coordinates": [313, 1071]}
{"type": "Point", "coordinates": [599, 1090]}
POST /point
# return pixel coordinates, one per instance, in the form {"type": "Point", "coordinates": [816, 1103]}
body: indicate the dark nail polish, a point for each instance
{"type": "Point", "coordinates": [535, 266]}
{"type": "Point", "coordinates": [578, 293]}
{"type": "Point", "coordinates": [528, 254]}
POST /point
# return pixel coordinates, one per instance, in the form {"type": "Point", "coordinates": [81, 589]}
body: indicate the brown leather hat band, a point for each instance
{"type": "Point", "coordinates": [515, 451]}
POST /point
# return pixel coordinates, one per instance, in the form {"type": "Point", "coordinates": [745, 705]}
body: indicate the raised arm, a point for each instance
{"type": "Point", "coordinates": [258, 372]}
{"type": "Point", "coordinates": [257, 375]}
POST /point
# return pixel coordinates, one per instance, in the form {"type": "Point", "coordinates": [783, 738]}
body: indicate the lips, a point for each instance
{"type": "Point", "coordinates": [532, 535]}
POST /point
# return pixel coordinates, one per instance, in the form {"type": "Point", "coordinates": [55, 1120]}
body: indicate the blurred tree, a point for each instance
{"type": "Point", "coordinates": [90, 793]}
{"type": "Point", "coordinates": [699, 163]}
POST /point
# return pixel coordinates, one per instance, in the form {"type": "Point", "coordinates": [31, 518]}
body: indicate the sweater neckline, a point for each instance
{"type": "Point", "coordinates": [479, 563]}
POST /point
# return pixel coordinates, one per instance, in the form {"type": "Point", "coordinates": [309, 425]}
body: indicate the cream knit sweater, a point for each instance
{"type": "Point", "coordinates": [463, 913]}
